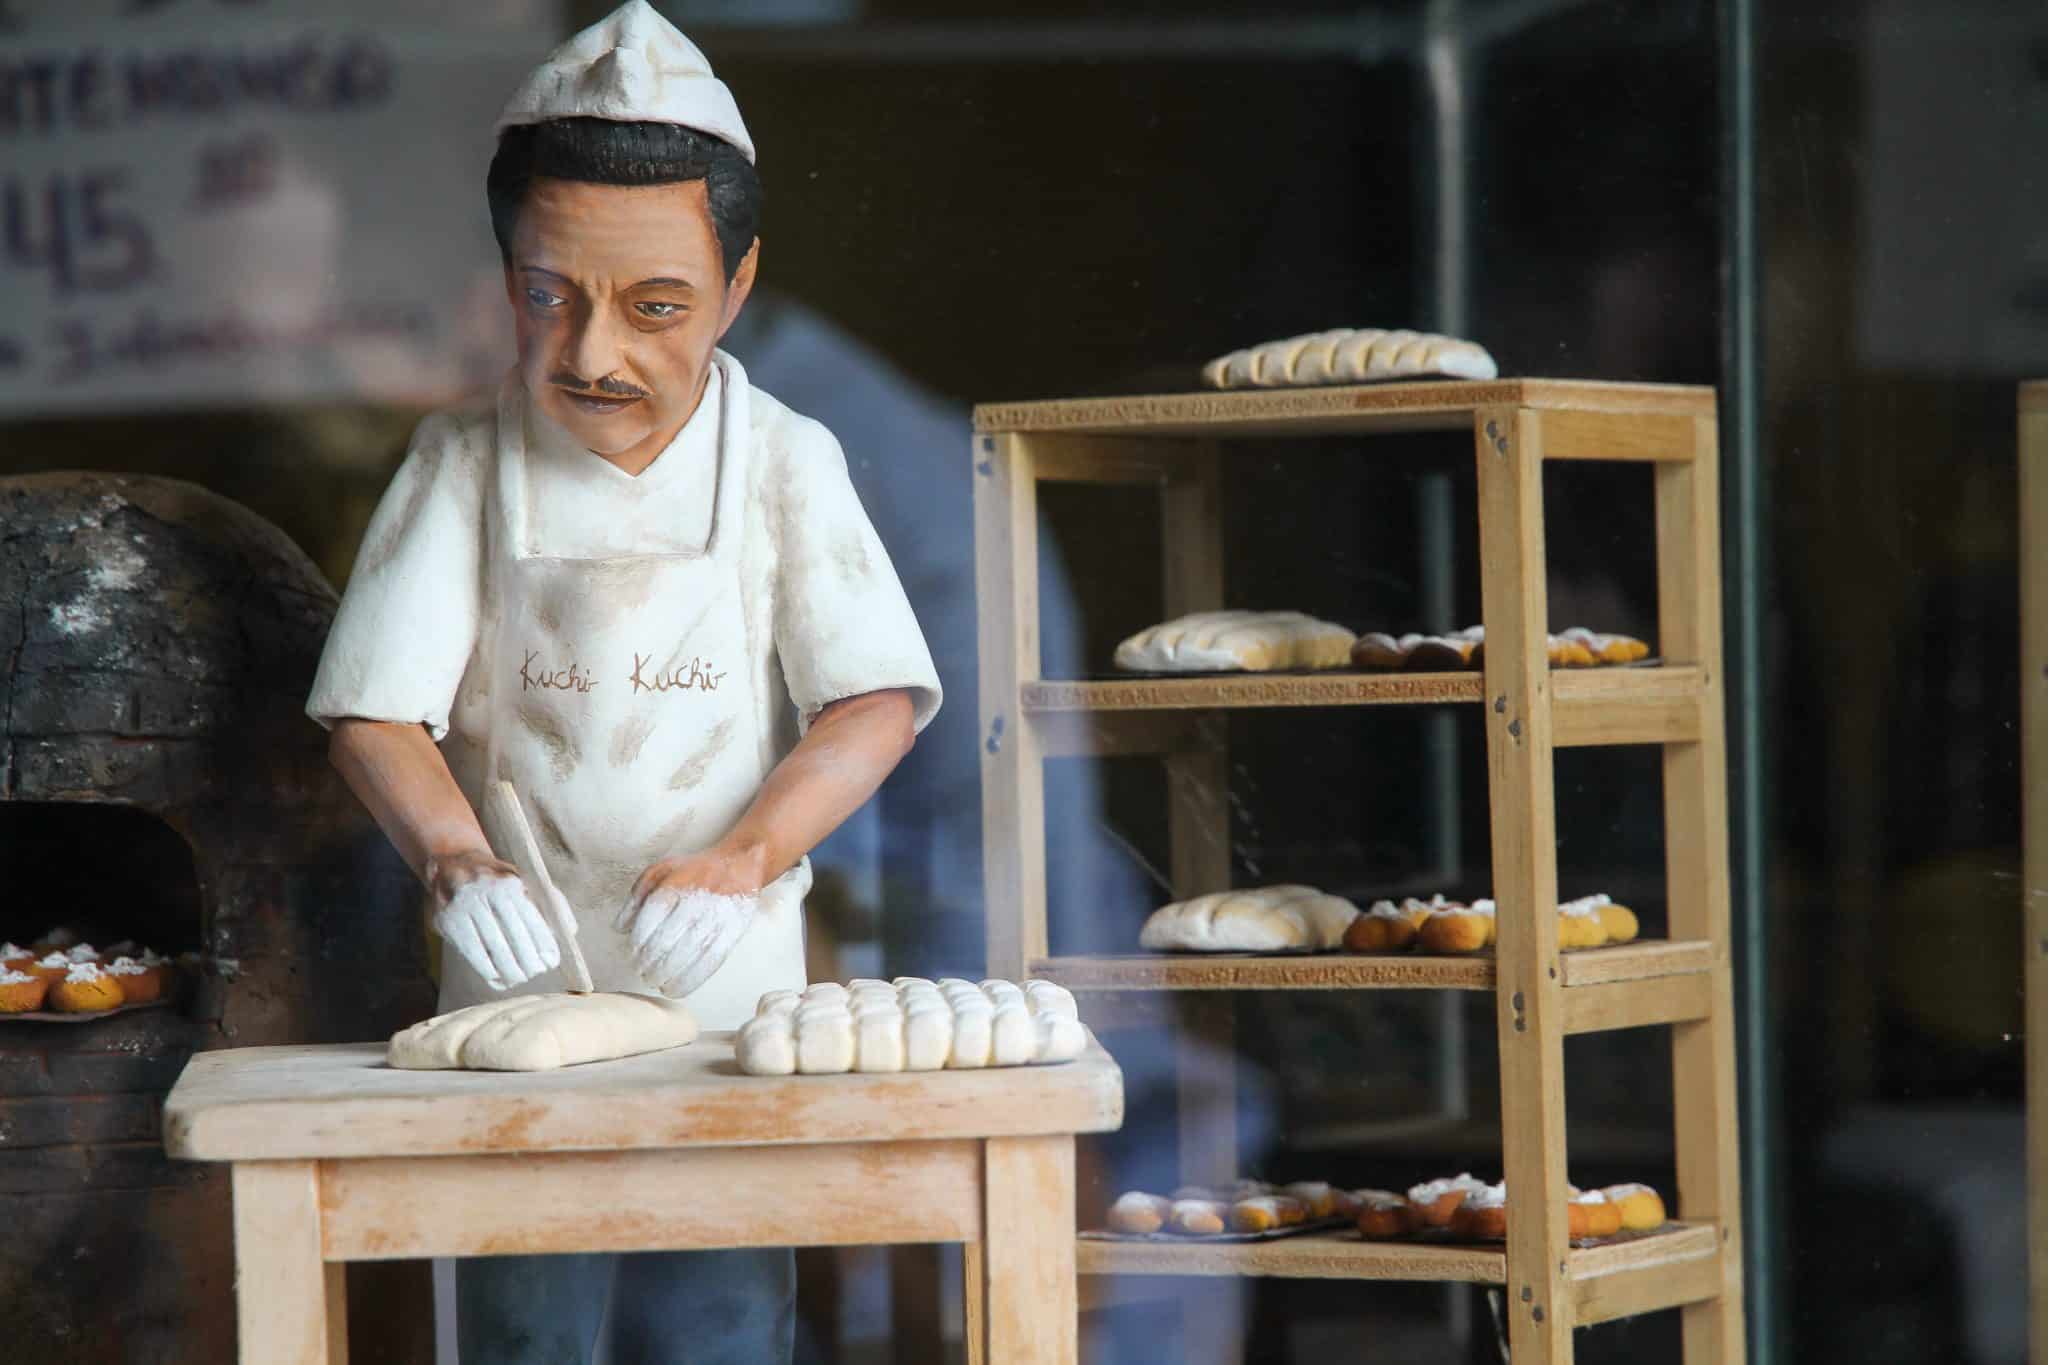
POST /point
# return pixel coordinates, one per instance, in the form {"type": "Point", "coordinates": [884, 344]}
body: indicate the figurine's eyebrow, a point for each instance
{"type": "Point", "coordinates": [667, 281]}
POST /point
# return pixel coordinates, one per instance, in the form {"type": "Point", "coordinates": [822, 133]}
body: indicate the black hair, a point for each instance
{"type": "Point", "coordinates": [607, 152]}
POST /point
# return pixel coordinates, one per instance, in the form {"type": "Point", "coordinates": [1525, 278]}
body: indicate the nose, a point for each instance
{"type": "Point", "coordinates": [595, 349]}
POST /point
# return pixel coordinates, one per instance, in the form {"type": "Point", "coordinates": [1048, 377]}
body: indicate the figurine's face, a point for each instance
{"type": "Point", "coordinates": [620, 295]}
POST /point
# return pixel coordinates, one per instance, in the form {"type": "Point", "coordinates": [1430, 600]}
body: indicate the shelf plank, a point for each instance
{"type": "Point", "coordinates": [1650, 958]}
{"type": "Point", "coordinates": [1313, 1256]}
{"type": "Point", "coordinates": [1593, 706]}
{"type": "Point", "coordinates": [1435, 405]}
{"type": "Point", "coordinates": [1612, 1005]}
{"type": "Point", "coordinates": [1665, 1269]}
{"type": "Point", "coordinates": [1637, 1274]}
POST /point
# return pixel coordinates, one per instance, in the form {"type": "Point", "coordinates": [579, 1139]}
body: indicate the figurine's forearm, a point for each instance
{"type": "Point", "coordinates": [850, 748]}
{"type": "Point", "coordinates": [397, 772]}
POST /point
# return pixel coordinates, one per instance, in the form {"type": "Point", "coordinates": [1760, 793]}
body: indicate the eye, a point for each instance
{"type": "Point", "coordinates": [541, 298]}
{"type": "Point", "coordinates": [659, 310]}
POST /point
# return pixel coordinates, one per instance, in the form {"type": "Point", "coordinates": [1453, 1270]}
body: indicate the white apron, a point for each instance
{"type": "Point", "coordinates": [622, 712]}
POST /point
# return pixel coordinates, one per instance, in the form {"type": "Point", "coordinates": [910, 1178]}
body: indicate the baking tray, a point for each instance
{"type": "Point", "coordinates": [1178, 1239]}
{"type": "Point", "coordinates": [63, 1017]}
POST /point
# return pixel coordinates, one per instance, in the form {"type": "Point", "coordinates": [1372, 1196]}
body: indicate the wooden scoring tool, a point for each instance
{"type": "Point", "coordinates": [509, 816]}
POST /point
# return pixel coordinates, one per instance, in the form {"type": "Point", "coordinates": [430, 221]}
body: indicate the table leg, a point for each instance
{"type": "Point", "coordinates": [282, 1288]}
{"type": "Point", "coordinates": [974, 1299]}
{"type": "Point", "coordinates": [1031, 1307]}
{"type": "Point", "coordinates": [337, 1313]}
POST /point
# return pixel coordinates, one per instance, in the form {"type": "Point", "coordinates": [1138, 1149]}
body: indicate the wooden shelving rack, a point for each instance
{"type": "Point", "coordinates": [1175, 443]}
{"type": "Point", "coordinates": [2033, 456]}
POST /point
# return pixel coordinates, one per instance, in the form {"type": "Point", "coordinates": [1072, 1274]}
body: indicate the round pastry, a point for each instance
{"type": "Point", "coordinates": [82, 952]}
{"type": "Point", "coordinates": [56, 941]}
{"type": "Point", "coordinates": [1619, 921]}
{"type": "Point", "coordinates": [85, 989]}
{"type": "Point", "coordinates": [1641, 1208]}
{"type": "Point", "coordinates": [1138, 1213]}
{"type": "Point", "coordinates": [1436, 1201]}
{"type": "Point", "coordinates": [1377, 651]}
{"type": "Point", "coordinates": [1439, 654]}
{"type": "Point", "coordinates": [13, 953]}
{"type": "Point", "coordinates": [1419, 911]}
{"type": "Point", "coordinates": [1590, 1215]}
{"type": "Point", "coordinates": [51, 967]}
{"type": "Point", "coordinates": [1579, 926]}
{"type": "Point", "coordinates": [1465, 929]}
{"type": "Point", "coordinates": [1383, 1215]}
{"type": "Point", "coordinates": [1569, 653]}
{"type": "Point", "coordinates": [1197, 1217]}
{"type": "Point", "coordinates": [1483, 1216]}
{"type": "Point", "coordinates": [20, 992]}
{"type": "Point", "coordinates": [1316, 1196]}
{"type": "Point", "coordinates": [139, 984]}
{"type": "Point", "coordinates": [1386, 928]}
{"type": "Point", "coordinates": [1266, 1212]}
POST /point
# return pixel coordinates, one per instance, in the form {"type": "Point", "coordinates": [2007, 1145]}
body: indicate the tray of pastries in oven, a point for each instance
{"type": "Point", "coordinates": [59, 979]}
{"type": "Point", "coordinates": [1578, 647]}
{"type": "Point", "coordinates": [1292, 918]}
{"type": "Point", "coordinates": [1242, 1211]}
{"type": "Point", "coordinates": [1463, 1208]}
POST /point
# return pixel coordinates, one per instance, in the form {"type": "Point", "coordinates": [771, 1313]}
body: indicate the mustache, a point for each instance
{"type": "Point", "coordinates": [596, 388]}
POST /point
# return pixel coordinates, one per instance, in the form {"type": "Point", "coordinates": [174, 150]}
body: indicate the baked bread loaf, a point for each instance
{"type": "Point", "coordinates": [1263, 1213]}
{"type": "Point", "coordinates": [1579, 925]}
{"type": "Point", "coordinates": [1640, 1207]}
{"type": "Point", "coordinates": [1483, 1216]}
{"type": "Point", "coordinates": [909, 1024]}
{"type": "Point", "coordinates": [1347, 355]}
{"type": "Point", "coordinates": [542, 1032]}
{"type": "Point", "coordinates": [1254, 641]}
{"type": "Point", "coordinates": [1385, 928]}
{"type": "Point", "coordinates": [1318, 1197]}
{"type": "Point", "coordinates": [85, 989]}
{"type": "Point", "coordinates": [1590, 1215]}
{"type": "Point", "coordinates": [1138, 1214]}
{"type": "Point", "coordinates": [1382, 1214]}
{"type": "Point", "coordinates": [52, 967]}
{"type": "Point", "coordinates": [19, 992]}
{"type": "Point", "coordinates": [1573, 648]}
{"type": "Point", "coordinates": [1198, 1217]}
{"type": "Point", "coordinates": [1435, 1202]}
{"type": "Point", "coordinates": [1263, 919]}
{"type": "Point", "coordinates": [1458, 929]}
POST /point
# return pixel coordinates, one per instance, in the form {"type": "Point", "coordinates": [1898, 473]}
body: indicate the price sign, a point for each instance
{"type": "Point", "coordinates": [214, 202]}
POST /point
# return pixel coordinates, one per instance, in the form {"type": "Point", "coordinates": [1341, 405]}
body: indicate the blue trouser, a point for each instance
{"type": "Point", "coordinates": [668, 1307]}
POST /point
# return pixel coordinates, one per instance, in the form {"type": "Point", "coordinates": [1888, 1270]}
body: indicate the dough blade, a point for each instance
{"type": "Point", "coordinates": [510, 817]}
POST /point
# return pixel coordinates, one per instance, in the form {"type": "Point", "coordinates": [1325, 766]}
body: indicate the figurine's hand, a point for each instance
{"type": "Point", "coordinates": [485, 914]}
{"type": "Point", "coordinates": [686, 915]}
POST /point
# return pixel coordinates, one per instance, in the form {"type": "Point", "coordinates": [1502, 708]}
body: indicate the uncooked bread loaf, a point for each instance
{"type": "Point", "coordinates": [909, 1024]}
{"type": "Point", "coordinates": [541, 1032]}
{"type": "Point", "coordinates": [1262, 919]}
{"type": "Point", "coordinates": [1255, 641]}
{"type": "Point", "coordinates": [1348, 355]}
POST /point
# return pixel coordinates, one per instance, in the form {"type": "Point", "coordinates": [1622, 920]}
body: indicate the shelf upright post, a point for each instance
{"type": "Point", "coordinates": [1521, 792]}
{"type": "Point", "coordinates": [1688, 519]}
{"type": "Point", "coordinates": [1012, 764]}
{"type": "Point", "coordinates": [2034, 802]}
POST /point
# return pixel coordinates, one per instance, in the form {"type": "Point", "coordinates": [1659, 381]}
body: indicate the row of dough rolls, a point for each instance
{"type": "Point", "coordinates": [1349, 355]}
{"type": "Point", "coordinates": [1468, 1209]}
{"type": "Point", "coordinates": [909, 1024]}
{"type": "Point", "coordinates": [1293, 918]}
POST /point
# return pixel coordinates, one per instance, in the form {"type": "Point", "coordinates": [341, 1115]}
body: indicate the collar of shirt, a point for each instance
{"type": "Point", "coordinates": [582, 506]}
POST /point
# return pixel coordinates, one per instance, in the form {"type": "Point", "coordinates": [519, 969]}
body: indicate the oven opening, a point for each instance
{"type": "Point", "coordinates": [96, 882]}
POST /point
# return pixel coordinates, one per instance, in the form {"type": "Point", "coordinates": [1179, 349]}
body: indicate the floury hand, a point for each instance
{"type": "Point", "coordinates": [487, 916]}
{"type": "Point", "coordinates": [686, 915]}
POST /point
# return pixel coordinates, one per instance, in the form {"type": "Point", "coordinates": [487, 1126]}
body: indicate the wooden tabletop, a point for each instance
{"type": "Point", "coordinates": [298, 1103]}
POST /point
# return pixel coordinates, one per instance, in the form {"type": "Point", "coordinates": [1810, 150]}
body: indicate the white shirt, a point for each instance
{"type": "Point", "coordinates": [582, 506]}
{"type": "Point", "coordinates": [820, 592]}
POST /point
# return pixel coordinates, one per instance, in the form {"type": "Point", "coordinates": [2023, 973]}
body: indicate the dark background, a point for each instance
{"type": "Point", "coordinates": [1071, 199]}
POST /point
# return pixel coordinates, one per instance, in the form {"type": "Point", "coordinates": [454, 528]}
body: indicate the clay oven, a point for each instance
{"type": "Point", "coordinates": [159, 782]}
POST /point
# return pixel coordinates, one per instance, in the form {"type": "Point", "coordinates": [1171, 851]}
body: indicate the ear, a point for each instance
{"type": "Point", "coordinates": [741, 286]}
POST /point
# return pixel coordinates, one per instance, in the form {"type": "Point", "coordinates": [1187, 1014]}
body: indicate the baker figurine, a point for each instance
{"type": "Point", "coordinates": [644, 593]}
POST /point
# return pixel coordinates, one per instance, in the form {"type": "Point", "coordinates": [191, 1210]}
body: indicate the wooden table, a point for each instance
{"type": "Point", "coordinates": [339, 1158]}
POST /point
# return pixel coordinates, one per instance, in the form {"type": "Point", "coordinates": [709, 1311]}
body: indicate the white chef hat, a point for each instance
{"type": "Point", "coordinates": [632, 66]}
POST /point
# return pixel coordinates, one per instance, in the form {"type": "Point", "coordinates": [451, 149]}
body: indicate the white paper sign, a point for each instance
{"type": "Point", "coordinates": [218, 202]}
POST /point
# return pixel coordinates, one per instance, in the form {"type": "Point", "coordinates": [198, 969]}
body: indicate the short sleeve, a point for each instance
{"type": "Point", "coordinates": [843, 626]}
{"type": "Point", "coordinates": [408, 620]}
